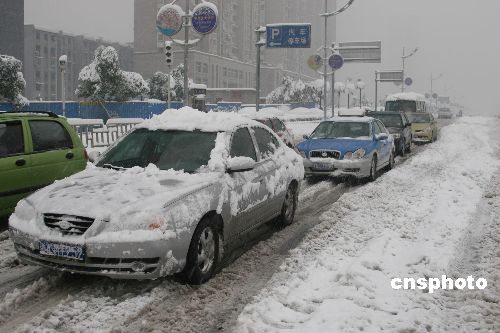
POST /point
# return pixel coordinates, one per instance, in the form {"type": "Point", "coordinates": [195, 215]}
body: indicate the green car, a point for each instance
{"type": "Point", "coordinates": [35, 150]}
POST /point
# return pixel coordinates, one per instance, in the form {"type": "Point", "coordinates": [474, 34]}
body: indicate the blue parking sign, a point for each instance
{"type": "Point", "coordinates": [288, 35]}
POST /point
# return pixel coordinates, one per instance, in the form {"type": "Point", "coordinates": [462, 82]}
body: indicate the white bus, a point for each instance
{"type": "Point", "coordinates": [406, 102]}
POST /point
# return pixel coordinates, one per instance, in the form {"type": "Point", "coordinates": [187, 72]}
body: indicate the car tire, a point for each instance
{"type": "Point", "coordinates": [289, 206]}
{"type": "Point", "coordinates": [402, 152]}
{"type": "Point", "coordinates": [373, 170]}
{"type": "Point", "coordinates": [408, 149]}
{"type": "Point", "coordinates": [392, 162]}
{"type": "Point", "coordinates": [203, 255]}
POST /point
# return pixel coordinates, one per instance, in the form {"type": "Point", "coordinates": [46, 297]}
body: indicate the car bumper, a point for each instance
{"type": "Point", "coordinates": [422, 137]}
{"type": "Point", "coordinates": [117, 260]}
{"type": "Point", "coordinates": [338, 168]}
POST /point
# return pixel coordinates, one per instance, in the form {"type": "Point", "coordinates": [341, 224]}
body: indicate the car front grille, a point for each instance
{"type": "Point", "coordinates": [325, 154]}
{"type": "Point", "coordinates": [68, 224]}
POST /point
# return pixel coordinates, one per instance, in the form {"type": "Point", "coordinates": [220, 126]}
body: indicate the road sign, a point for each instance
{"type": "Point", "coordinates": [365, 52]}
{"type": "Point", "coordinates": [205, 18]}
{"type": "Point", "coordinates": [336, 61]}
{"type": "Point", "coordinates": [315, 62]}
{"type": "Point", "coordinates": [288, 35]}
{"type": "Point", "coordinates": [390, 76]}
{"type": "Point", "coordinates": [434, 95]}
{"type": "Point", "coordinates": [408, 81]}
{"type": "Point", "coordinates": [169, 19]}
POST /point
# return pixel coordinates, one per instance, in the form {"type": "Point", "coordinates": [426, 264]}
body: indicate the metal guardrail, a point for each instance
{"type": "Point", "coordinates": [94, 133]}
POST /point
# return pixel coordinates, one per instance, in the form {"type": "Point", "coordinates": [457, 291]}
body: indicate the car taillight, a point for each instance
{"type": "Point", "coordinates": [86, 154]}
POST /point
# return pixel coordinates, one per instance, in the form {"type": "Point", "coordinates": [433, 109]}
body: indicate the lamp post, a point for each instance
{"type": "Point", "coordinates": [360, 85]}
{"type": "Point", "coordinates": [326, 15]}
{"type": "Point", "coordinates": [63, 60]}
{"type": "Point", "coordinates": [350, 88]}
{"type": "Point", "coordinates": [404, 57]}
{"type": "Point", "coordinates": [339, 87]}
{"type": "Point", "coordinates": [260, 42]}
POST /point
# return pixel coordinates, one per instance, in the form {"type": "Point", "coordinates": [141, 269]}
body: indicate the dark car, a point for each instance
{"type": "Point", "coordinates": [399, 126]}
{"type": "Point", "coordinates": [279, 127]}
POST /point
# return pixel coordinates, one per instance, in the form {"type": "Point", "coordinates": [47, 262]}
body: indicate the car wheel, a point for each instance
{"type": "Point", "coordinates": [289, 206]}
{"type": "Point", "coordinates": [402, 152]}
{"type": "Point", "coordinates": [373, 170]}
{"type": "Point", "coordinates": [392, 162]}
{"type": "Point", "coordinates": [203, 255]}
{"type": "Point", "coordinates": [408, 149]}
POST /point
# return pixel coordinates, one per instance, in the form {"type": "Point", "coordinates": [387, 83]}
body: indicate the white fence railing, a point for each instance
{"type": "Point", "coordinates": [94, 133]}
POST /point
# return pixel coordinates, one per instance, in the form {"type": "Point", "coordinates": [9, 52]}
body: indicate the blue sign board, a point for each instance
{"type": "Point", "coordinates": [205, 18]}
{"type": "Point", "coordinates": [288, 35]}
{"type": "Point", "coordinates": [409, 81]}
{"type": "Point", "coordinates": [336, 61]}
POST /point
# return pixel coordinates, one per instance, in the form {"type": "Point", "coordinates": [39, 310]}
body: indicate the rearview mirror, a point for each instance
{"type": "Point", "coordinates": [240, 164]}
{"type": "Point", "coordinates": [382, 136]}
{"type": "Point", "coordinates": [94, 156]}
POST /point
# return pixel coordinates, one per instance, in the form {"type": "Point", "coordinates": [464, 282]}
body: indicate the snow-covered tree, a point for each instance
{"type": "Point", "coordinates": [103, 79]}
{"type": "Point", "coordinates": [295, 91]}
{"type": "Point", "coordinates": [158, 87]}
{"type": "Point", "coordinates": [178, 76]}
{"type": "Point", "coordinates": [12, 82]}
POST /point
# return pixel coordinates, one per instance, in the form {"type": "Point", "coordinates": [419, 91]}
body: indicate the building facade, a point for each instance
{"type": "Point", "coordinates": [226, 57]}
{"type": "Point", "coordinates": [11, 28]}
{"type": "Point", "coordinates": [42, 49]}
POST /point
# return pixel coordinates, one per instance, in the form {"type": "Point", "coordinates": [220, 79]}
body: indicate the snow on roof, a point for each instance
{"type": "Point", "coordinates": [353, 112]}
{"type": "Point", "coordinates": [409, 96]}
{"type": "Point", "coordinates": [188, 119]}
{"type": "Point", "coordinates": [351, 119]}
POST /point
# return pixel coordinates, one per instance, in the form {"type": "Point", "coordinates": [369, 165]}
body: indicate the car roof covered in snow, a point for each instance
{"type": "Point", "coordinates": [351, 119]}
{"type": "Point", "coordinates": [409, 96]}
{"type": "Point", "coordinates": [188, 119]}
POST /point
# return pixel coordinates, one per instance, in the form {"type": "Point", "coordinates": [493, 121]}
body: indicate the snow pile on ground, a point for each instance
{"type": "Point", "coordinates": [409, 223]}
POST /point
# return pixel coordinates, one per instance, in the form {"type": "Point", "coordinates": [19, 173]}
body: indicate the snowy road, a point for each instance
{"type": "Point", "coordinates": [35, 299]}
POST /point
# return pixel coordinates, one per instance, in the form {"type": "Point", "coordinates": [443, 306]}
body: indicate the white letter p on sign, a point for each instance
{"type": "Point", "coordinates": [275, 33]}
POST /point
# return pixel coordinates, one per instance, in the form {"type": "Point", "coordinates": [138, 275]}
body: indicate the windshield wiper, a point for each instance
{"type": "Point", "coordinates": [110, 166]}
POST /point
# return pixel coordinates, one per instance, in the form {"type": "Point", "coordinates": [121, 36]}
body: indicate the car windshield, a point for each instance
{"type": "Point", "coordinates": [419, 117]}
{"type": "Point", "coordinates": [389, 120]}
{"type": "Point", "coordinates": [405, 106]}
{"type": "Point", "coordinates": [177, 150]}
{"type": "Point", "coordinates": [332, 130]}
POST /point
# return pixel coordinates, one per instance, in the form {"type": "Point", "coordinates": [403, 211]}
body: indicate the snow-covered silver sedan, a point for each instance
{"type": "Point", "coordinates": [167, 198]}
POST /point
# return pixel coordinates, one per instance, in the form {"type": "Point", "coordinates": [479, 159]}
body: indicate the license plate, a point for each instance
{"type": "Point", "coordinates": [62, 250]}
{"type": "Point", "coordinates": [323, 166]}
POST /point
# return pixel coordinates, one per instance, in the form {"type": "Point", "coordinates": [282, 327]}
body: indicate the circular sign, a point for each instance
{"type": "Point", "coordinates": [427, 95]}
{"type": "Point", "coordinates": [169, 19]}
{"type": "Point", "coordinates": [434, 95]}
{"type": "Point", "coordinates": [205, 18]}
{"type": "Point", "coordinates": [336, 61]}
{"type": "Point", "coordinates": [409, 81]}
{"type": "Point", "coordinates": [315, 62]}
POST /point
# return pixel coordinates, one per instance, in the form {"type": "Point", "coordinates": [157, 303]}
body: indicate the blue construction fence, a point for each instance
{"type": "Point", "coordinates": [144, 110]}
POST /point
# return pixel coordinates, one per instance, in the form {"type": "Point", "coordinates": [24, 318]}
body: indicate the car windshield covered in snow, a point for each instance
{"type": "Point", "coordinates": [333, 130]}
{"type": "Point", "coordinates": [421, 118]}
{"type": "Point", "coordinates": [177, 150]}
{"type": "Point", "coordinates": [405, 106]}
{"type": "Point", "coordinates": [389, 120]}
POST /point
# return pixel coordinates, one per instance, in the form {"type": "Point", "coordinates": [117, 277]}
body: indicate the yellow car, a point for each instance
{"type": "Point", "coordinates": [424, 127]}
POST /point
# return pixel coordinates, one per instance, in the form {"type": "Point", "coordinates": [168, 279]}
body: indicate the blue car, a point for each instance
{"type": "Point", "coordinates": [348, 146]}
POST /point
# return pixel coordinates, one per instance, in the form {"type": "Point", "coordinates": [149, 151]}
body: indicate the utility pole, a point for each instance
{"type": "Point", "coordinates": [404, 57]}
{"type": "Point", "coordinates": [63, 60]}
{"type": "Point", "coordinates": [260, 42]}
{"type": "Point", "coordinates": [187, 25]}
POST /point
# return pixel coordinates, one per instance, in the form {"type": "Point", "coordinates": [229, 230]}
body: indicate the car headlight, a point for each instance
{"type": "Point", "coordinates": [358, 154]}
{"type": "Point", "coordinates": [396, 135]}
{"type": "Point", "coordinates": [25, 210]}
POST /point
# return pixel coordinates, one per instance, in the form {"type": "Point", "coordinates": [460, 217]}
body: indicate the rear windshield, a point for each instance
{"type": "Point", "coordinates": [405, 106]}
{"type": "Point", "coordinates": [334, 130]}
{"type": "Point", "coordinates": [419, 117]}
{"type": "Point", "coordinates": [389, 120]}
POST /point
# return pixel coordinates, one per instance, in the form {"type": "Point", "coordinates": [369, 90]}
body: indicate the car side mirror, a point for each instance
{"type": "Point", "coordinates": [94, 156]}
{"type": "Point", "coordinates": [382, 136]}
{"type": "Point", "coordinates": [305, 137]}
{"type": "Point", "coordinates": [240, 164]}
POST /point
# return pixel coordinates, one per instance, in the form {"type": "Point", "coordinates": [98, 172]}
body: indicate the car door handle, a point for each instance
{"type": "Point", "coordinates": [70, 155]}
{"type": "Point", "coordinates": [21, 162]}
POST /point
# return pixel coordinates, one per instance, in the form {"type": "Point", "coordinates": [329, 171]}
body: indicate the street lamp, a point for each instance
{"type": "Point", "coordinates": [360, 85]}
{"type": "Point", "coordinates": [327, 15]}
{"type": "Point", "coordinates": [339, 87]}
{"type": "Point", "coordinates": [404, 57]}
{"type": "Point", "coordinates": [63, 60]}
{"type": "Point", "coordinates": [260, 31]}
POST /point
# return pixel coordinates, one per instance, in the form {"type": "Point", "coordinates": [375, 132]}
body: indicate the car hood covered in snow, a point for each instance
{"type": "Point", "coordinates": [103, 193]}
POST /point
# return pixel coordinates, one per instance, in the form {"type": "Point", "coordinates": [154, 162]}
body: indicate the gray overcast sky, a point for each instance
{"type": "Point", "coordinates": [456, 38]}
